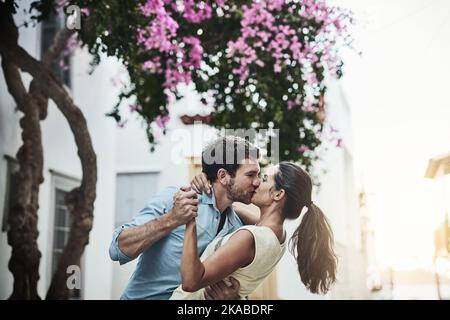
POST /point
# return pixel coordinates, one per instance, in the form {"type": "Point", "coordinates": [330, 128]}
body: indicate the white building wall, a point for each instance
{"type": "Point", "coordinates": [174, 148]}
{"type": "Point", "coordinates": [337, 198]}
{"type": "Point", "coordinates": [94, 104]}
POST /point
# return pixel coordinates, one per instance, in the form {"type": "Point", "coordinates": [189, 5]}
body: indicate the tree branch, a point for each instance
{"type": "Point", "coordinates": [59, 43]}
{"type": "Point", "coordinates": [54, 52]}
{"type": "Point", "coordinates": [15, 84]}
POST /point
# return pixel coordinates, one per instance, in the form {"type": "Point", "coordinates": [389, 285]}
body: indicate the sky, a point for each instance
{"type": "Point", "coordinates": [398, 90]}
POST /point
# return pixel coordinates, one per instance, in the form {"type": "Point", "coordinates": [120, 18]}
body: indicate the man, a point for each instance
{"type": "Point", "coordinates": [155, 234]}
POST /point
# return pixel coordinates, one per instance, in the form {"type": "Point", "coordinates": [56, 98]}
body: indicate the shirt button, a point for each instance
{"type": "Point", "coordinates": [217, 217]}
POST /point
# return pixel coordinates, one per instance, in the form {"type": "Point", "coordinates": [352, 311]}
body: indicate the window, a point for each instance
{"type": "Point", "coordinates": [11, 189]}
{"type": "Point", "coordinates": [60, 225]}
{"type": "Point", "coordinates": [133, 190]}
{"type": "Point", "coordinates": [50, 28]}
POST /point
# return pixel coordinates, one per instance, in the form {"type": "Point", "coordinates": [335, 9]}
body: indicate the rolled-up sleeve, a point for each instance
{"type": "Point", "coordinates": [114, 251]}
{"type": "Point", "coordinates": [158, 205]}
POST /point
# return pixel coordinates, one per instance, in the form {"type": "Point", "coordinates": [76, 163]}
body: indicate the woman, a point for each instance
{"type": "Point", "coordinates": [250, 253]}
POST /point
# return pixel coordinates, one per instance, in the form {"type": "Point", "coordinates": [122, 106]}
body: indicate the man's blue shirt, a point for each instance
{"type": "Point", "coordinates": [157, 272]}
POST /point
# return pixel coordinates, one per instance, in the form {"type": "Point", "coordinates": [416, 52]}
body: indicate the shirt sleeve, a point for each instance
{"type": "Point", "coordinates": [158, 205]}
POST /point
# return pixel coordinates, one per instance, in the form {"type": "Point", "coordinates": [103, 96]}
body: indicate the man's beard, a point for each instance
{"type": "Point", "coordinates": [236, 194]}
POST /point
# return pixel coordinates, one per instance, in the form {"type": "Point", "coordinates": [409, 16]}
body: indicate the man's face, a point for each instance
{"type": "Point", "coordinates": [242, 187]}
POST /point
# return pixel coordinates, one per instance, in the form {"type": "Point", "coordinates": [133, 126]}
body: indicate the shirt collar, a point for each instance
{"type": "Point", "coordinates": [211, 200]}
{"type": "Point", "coordinates": [205, 199]}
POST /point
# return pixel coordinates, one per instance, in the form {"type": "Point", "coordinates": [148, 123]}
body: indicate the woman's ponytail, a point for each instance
{"type": "Point", "coordinates": [312, 242]}
{"type": "Point", "coordinates": [312, 245]}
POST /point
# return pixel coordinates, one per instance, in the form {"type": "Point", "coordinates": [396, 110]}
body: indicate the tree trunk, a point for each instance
{"type": "Point", "coordinates": [80, 201]}
{"type": "Point", "coordinates": [22, 219]}
{"type": "Point", "coordinates": [23, 233]}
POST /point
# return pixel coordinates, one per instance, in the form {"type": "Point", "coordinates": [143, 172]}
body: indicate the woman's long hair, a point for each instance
{"type": "Point", "coordinates": [312, 243]}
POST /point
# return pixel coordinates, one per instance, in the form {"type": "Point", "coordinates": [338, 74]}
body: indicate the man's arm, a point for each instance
{"type": "Point", "coordinates": [132, 241]}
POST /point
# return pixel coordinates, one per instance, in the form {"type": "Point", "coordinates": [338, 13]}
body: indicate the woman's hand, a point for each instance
{"type": "Point", "coordinates": [201, 184]}
{"type": "Point", "coordinates": [191, 223]}
{"type": "Point", "coordinates": [222, 291]}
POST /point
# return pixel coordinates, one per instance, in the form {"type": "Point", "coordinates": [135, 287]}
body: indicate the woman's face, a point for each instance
{"type": "Point", "coordinates": [263, 195]}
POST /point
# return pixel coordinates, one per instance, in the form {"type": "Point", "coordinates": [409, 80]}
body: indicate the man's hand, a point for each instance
{"type": "Point", "coordinates": [133, 241]}
{"type": "Point", "coordinates": [221, 291]}
{"type": "Point", "coordinates": [201, 184]}
{"type": "Point", "coordinates": [184, 206]}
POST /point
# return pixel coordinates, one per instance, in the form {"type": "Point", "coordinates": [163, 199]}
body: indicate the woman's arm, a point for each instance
{"type": "Point", "coordinates": [191, 266]}
{"type": "Point", "coordinates": [237, 252]}
{"type": "Point", "coordinates": [248, 213]}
